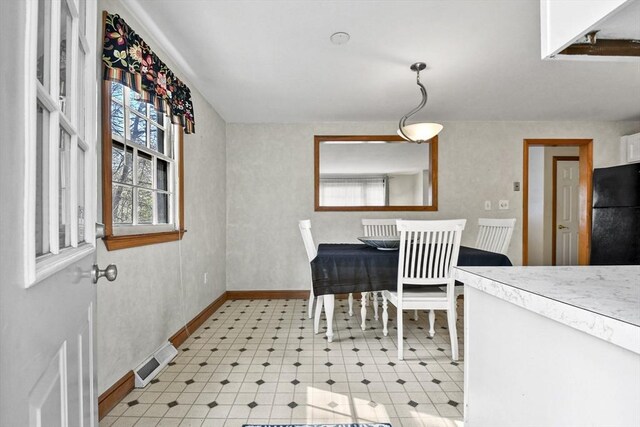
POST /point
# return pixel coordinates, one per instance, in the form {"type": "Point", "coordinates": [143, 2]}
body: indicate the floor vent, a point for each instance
{"type": "Point", "coordinates": [154, 364]}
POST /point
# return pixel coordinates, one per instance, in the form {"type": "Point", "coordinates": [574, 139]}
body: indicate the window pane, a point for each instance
{"type": "Point", "coordinates": [157, 139]}
{"type": "Point", "coordinates": [145, 206]}
{"type": "Point", "coordinates": [162, 174]}
{"type": "Point", "coordinates": [117, 92]}
{"type": "Point", "coordinates": [122, 202]}
{"type": "Point", "coordinates": [117, 119]}
{"type": "Point", "coordinates": [121, 167]}
{"type": "Point", "coordinates": [81, 160]}
{"type": "Point", "coordinates": [136, 104]}
{"type": "Point", "coordinates": [64, 209]}
{"type": "Point", "coordinates": [42, 181]}
{"type": "Point", "coordinates": [154, 114]}
{"type": "Point", "coordinates": [145, 170]}
{"type": "Point", "coordinates": [163, 208]}
{"type": "Point", "coordinates": [138, 129]}
{"type": "Point", "coordinates": [65, 56]}
{"type": "Point", "coordinates": [43, 44]}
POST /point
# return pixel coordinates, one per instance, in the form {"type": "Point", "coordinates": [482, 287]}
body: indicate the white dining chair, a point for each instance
{"type": "Point", "coordinates": [310, 247]}
{"type": "Point", "coordinates": [382, 228]}
{"type": "Point", "coordinates": [428, 252]}
{"type": "Point", "coordinates": [494, 235]}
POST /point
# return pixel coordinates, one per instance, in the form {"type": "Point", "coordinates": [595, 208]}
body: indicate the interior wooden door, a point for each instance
{"type": "Point", "coordinates": [566, 222]}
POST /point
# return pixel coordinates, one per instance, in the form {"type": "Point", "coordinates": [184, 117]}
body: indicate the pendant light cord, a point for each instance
{"type": "Point", "coordinates": [404, 118]}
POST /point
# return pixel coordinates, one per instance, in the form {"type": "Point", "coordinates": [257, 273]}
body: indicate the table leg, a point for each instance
{"type": "Point", "coordinates": [385, 316]}
{"type": "Point", "coordinates": [350, 299]}
{"type": "Point", "coordinates": [329, 305]}
{"type": "Point", "coordinates": [363, 310]}
{"type": "Point", "coordinates": [374, 299]}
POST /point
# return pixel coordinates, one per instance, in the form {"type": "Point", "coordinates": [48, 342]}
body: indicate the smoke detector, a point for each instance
{"type": "Point", "coordinates": [340, 37]}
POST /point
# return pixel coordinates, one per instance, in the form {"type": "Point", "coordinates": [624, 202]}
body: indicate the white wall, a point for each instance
{"type": "Point", "coordinates": [536, 206]}
{"type": "Point", "coordinates": [160, 287]}
{"type": "Point", "coordinates": [270, 187]}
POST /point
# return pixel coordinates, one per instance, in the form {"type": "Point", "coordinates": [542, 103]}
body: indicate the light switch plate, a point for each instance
{"type": "Point", "coordinates": [487, 205]}
{"type": "Point", "coordinates": [503, 204]}
{"type": "Point", "coordinates": [516, 186]}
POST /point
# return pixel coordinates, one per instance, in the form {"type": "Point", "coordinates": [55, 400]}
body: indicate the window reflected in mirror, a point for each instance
{"type": "Point", "coordinates": [375, 173]}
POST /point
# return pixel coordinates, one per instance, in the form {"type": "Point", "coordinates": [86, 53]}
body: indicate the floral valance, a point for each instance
{"type": "Point", "coordinates": [127, 59]}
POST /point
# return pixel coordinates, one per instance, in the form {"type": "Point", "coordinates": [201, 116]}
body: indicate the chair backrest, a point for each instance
{"type": "Point", "coordinates": [494, 235]}
{"type": "Point", "coordinates": [307, 238]}
{"type": "Point", "coordinates": [380, 227]}
{"type": "Point", "coordinates": [428, 251]}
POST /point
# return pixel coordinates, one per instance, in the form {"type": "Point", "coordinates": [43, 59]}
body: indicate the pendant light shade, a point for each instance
{"type": "Point", "coordinates": [418, 132]}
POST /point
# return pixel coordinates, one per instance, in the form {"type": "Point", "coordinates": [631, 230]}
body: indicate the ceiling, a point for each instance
{"type": "Point", "coordinates": [272, 61]}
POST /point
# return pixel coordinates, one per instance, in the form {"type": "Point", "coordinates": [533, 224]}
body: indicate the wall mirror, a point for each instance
{"type": "Point", "coordinates": [375, 173]}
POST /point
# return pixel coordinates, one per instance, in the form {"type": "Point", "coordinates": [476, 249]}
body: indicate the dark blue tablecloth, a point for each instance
{"type": "Point", "coordinates": [346, 268]}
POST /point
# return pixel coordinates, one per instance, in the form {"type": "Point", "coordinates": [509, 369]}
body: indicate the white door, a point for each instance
{"type": "Point", "coordinates": [567, 221]}
{"type": "Point", "coordinates": [48, 190]}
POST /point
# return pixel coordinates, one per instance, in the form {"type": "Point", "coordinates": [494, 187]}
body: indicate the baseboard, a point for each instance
{"type": "Point", "coordinates": [281, 294]}
{"type": "Point", "coordinates": [110, 398]}
{"type": "Point", "coordinates": [179, 337]}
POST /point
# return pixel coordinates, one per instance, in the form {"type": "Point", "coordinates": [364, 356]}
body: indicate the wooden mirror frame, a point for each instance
{"type": "Point", "coordinates": [433, 152]}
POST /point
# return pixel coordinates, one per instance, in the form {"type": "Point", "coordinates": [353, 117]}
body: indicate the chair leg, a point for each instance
{"type": "Point", "coordinates": [415, 315]}
{"type": "Point", "coordinates": [311, 298]}
{"type": "Point", "coordinates": [432, 323]}
{"type": "Point", "coordinates": [363, 310]}
{"type": "Point", "coordinates": [453, 333]}
{"type": "Point", "coordinates": [374, 301]}
{"type": "Point", "coordinates": [400, 340]}
{"type": "Point", "coordinates": [316, 321]}
{"type": "Point", "coordinates": [350, 304]}
{"type": "Point", "coordinates": [385, 316]}
{"type": "Point", "coordinates": [329, 305]}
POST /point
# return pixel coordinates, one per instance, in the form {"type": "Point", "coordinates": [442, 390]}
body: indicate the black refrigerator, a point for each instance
{"type": "Point", "coordinates": [615, 235]}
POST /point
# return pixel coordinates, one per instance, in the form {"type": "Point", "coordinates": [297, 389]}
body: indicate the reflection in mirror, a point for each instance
{"type": "Point", "coordinates": [375, 173]}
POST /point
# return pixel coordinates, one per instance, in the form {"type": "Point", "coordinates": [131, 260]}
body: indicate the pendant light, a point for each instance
{"type": "Point", "coordinates": [418, 132]}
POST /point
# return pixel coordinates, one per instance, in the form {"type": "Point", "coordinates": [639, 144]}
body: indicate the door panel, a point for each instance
{"type": "Point", "coordinates": [567, 223]}
{"type": "Point", "coordinates": [47, 302]}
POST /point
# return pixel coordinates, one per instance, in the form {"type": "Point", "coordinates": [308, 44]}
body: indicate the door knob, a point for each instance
{"type": "Point", "coordinates": [562, 227]}
{"type": "Point", "coordinates": [111, 272]}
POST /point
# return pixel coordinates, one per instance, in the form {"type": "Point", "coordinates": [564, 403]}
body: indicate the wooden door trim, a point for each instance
{"type": "Point", "coordinates": [584, 192]}
{"type": "Point", "coordinates": [554, 201]}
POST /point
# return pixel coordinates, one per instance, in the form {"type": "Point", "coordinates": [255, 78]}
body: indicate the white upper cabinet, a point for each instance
{"type": "Point", "coordinates": [565, 24]}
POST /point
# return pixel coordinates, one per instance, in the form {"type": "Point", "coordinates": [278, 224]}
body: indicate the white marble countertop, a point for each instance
{"type": "Point", "coordinates": [603, 301]}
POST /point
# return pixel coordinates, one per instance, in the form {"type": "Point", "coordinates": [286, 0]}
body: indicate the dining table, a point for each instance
{"type": "Point", "coordinates": [343, 268]}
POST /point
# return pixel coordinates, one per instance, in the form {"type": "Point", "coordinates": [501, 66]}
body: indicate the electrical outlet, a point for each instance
{"type": "Point", "coordinates": [205, 277]}
{"type": "Point", "coordinates": [503, 204]}
{"type": "Point", "coordinates": [487, 205]}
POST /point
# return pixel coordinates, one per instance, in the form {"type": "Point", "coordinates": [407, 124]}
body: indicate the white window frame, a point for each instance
{"type": "Point", "coordinates": [170, 140]}
{"type": "Point", "coordinates": [38, 268]}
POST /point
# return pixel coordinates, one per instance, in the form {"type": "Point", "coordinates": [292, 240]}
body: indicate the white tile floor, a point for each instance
{"type": "Point", "coordinates": [259, 362]}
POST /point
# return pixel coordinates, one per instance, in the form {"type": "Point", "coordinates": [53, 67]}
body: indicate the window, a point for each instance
{"type": "Point", "coordinates": [142, 184]}
{"type": "Point", "coordinates": [61, 148]}
{"type": "Point", "coordinates": [353, 191]}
